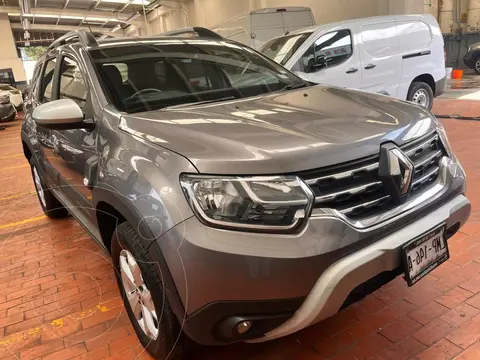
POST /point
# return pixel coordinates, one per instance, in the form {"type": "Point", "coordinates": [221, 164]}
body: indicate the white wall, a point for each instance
{"type": "Point", "coordinates": [8, 53]}
{"type": "Point", "coordinates": [209, 13]}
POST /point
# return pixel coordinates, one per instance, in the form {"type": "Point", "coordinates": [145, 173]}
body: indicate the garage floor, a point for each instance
{"type": "Point", "coordinates": [58, 298]}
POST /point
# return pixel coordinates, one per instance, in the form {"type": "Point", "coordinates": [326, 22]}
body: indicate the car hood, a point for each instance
{"type": "Point", "coordinates": [282, 132]}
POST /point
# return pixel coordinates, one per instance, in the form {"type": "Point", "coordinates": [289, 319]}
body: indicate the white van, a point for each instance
{"type": "Point", "coordinates": [257, 27]}
{"type": "Point", "coordinates": [399, 56]}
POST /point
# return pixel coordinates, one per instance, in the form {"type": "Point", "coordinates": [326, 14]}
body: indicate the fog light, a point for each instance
{"type": "Point", "coordinates": [243, 327]}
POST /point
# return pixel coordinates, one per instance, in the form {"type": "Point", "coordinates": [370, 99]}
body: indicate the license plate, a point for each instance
{"type": "Point", "coordinates": [425, 253]}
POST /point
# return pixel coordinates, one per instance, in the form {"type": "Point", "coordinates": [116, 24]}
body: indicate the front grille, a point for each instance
{"type": "Point", "coordinates": [355, 189]}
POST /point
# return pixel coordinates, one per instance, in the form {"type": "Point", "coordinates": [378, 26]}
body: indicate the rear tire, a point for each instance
{"type": "Point", "coordinates": [49, 203]}
{"type": "Point", "coordinates": [163, 340]}
{"type": "Point", "coordinates": [421, 94]}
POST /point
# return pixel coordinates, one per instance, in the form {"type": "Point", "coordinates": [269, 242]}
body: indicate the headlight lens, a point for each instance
{"type": "Point", "coordinates": [257, 203]}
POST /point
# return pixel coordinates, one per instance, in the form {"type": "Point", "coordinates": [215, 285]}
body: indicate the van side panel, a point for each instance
{"type": "Point", "coordinates": [422, 51]}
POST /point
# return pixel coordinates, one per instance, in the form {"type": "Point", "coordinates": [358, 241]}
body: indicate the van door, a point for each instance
{"type": "Point", "coordinates": [381, 62]}
{"type": "Point", "coordinates": [331, 59]}
{"type": "Point", "coordinates": [265, 26]}
{"type": "Point", "coordinates": [293, 20]}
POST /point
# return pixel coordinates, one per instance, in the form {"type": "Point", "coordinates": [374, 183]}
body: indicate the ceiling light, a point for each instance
{"type": "Point", "coordinates": [13, 14]}
{"type": "Point", "coordinates": [44, 16]}
{"type": "Point", "coordinates": [72, 17]}
{"type": "Point", "coordinates": [116, 28]}
{"type": "Point", "coordinates": [97, 19]}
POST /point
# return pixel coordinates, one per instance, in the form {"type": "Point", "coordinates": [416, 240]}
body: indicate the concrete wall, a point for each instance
{"type": "Point", "coordinates": [8, 54]}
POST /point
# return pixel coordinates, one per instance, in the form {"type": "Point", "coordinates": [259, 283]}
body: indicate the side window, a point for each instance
{"type": "Point", "coordinates": [328, 50]}
{"type": "Point", "coordinates": [72, 84]}
{"type": "Point", "coordinates": [47, 80]}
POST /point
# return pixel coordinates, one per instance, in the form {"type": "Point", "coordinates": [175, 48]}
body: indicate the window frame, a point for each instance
{"type": "Point", "coordinates": [41, 90]}
{"type": "Point", "coordinates": [88, 110]}
{"type": "Point", "coordinates": [352, 43]}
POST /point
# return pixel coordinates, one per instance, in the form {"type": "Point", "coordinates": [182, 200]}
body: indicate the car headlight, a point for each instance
{"type": "Point", "coordinates": [255, 203]}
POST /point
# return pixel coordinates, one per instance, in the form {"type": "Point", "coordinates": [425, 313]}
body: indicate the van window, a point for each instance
{"type": "Point", "coordinates": [328, 50]}
{"type": "Point", "coordinates": [380, 40]}
{"type": "Point", "coordinates": [413, 35]}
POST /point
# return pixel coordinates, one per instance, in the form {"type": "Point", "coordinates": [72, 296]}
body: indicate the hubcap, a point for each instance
{"type": "Point", "coordinates": [421, 98]}
{"type": "Point", "coordinates": [39, 187]}
{"type": "Point", "coordinates": [477, 65]}
{"type": "Point", "coordinates": [138, 295]}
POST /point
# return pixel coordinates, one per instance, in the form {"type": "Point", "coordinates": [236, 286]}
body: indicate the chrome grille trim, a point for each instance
{"type": "Point", "coordinates": [356, 190]}
{"type": "Point", "coordinates": [423, 146]}
{"type": "Point", "coordinates": [350, 191]}
{"type": "Point", "coordinates": [426, 177]}
{"type": "Point", "coordinates": [344, 174]}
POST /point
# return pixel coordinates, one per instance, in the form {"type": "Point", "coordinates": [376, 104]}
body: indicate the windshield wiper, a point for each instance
{"type": "Point", "coordinates": [294, 86]}
{"type": "Point", "coordinates": [199, 102]}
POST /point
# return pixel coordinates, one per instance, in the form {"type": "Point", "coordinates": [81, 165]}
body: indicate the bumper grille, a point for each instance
{"type": "Point", "coordinates": [355, 189]}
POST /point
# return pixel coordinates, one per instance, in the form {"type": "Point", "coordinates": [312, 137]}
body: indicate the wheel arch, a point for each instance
{"type": "Point", "coordinates": [111, 209]}
{"type": "Point", "coordinates": [426, 78]}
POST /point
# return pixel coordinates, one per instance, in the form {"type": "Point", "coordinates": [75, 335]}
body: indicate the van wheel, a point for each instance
{"type": "Point", "coordinates": [140, 284]}
{"type": "Point", "coordinates": [421, 94]}
{"type": "Point", "coordinates": [49, 203]}
{"type": "Point", "coordinates": [477, 66]}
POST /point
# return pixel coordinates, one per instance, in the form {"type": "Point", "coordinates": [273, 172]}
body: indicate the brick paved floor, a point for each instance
{"type": "Point", "coordinates": [58, 298]}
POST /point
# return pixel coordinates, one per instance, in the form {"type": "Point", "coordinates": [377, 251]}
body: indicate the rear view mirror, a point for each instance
{"type": "Point", "coordinates": [60, 114]}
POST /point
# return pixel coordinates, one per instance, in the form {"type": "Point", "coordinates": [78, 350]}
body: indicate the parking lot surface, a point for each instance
{"type": "Point", "coordinates": [59, 299]}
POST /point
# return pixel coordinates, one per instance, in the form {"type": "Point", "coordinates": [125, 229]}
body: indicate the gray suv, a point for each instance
{"type": "Point", "coordinates": [238, 202]}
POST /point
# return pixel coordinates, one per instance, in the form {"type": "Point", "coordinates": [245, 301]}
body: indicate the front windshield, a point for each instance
{"type": "Point", "coordinates": [283, 48]}
{"type": "Point", "coordinates": [153, 74]}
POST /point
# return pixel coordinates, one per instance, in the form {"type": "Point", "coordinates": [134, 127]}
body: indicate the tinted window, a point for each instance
{"type": "Point", "coordinates": [47, 80]}
{"type": "Point", "coordinates": [72, 84]}
{"type": "Point", "coordinates": [328, 50]}
{"type": "Point", "coordinates": [167, 73]}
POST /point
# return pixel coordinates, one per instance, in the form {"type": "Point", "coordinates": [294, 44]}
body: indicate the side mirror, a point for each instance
{"type": "Point", "coordinates": [320, 62]}
{"type": "Point", "coordinates": [60, 114]}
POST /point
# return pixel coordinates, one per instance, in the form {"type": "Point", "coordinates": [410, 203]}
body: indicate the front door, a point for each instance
{"type": "Point", "coordinates": [381, 62]}
{"type": "Point", "coordinates": [73, 148]}
{"type": "Point", "coordinates": [331, 60]}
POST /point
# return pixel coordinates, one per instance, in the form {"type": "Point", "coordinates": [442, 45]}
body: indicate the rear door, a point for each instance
{"type": "Point", "coordinates": [380, 59]}
{"type": "Point", "coordinates": [331, 59]}
{"type": "Point", "coordinates": [297, 19]}
{"type": "Point", "coordinates": [265, 26]}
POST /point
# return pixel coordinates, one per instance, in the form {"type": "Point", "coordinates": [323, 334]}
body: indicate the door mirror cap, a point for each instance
{"type": "Point", "coordinates": [60, 114]}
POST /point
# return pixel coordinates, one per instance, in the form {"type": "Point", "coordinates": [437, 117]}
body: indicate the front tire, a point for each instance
{"type": "Point", "coordinates": [421, 94]}
{"type": "Point", "coordinates": [141, 286]}
{"type": "Point", "coordinates": [49, 203]}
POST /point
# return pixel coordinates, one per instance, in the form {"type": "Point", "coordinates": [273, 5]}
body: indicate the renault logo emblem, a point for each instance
{"type": "Point", "coordinates": [395, 171]}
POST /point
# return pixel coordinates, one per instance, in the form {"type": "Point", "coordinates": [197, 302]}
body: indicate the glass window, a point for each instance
{"type": "Point", "coordinates": [175, 72]}
{"type": "Point", "coordinates": [283, 48]}
{"type": "Point", "coordinates": [328, 50]}
{"type": "Point", "coordinates": [72, 84]}
{"type": "Point", "coordinates": [47, 81]}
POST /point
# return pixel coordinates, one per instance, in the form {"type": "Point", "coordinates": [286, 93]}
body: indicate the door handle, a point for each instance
{"type": "Point", "coordinates": [352, 70]}
{"type": "Point", "coordinates": [370, 66]}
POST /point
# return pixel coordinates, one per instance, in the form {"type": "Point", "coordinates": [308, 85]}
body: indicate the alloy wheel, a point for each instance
{"type": "Point", "coordinates": [138, 295]}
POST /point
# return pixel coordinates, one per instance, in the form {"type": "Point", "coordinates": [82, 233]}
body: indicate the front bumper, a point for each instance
{"type": "Point", "coordinates": [336, 283]}
{"type": "Point", "coordinates": [228, 274]}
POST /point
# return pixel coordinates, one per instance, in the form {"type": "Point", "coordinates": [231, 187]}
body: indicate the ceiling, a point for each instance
{"type": "Point", "coordinates": [49, 19]}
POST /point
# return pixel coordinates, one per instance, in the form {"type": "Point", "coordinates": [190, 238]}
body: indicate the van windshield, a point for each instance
{"type": "Point", "coordinates": [146, 75]}
{"type": "Point", "coordinates": [283, 48]}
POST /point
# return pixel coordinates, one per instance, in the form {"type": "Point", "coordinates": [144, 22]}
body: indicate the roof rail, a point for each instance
{"type": "Point", "coordinates": [200, 31]}
{"type": "Point", "coordinates": [83, 37]}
